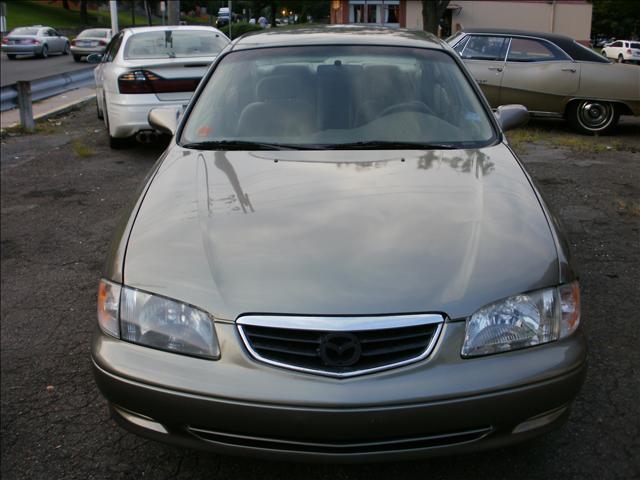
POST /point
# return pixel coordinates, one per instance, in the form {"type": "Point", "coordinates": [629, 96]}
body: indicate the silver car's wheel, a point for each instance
{"type": "Point", "coordinates": [66, 49]}
{"type": "Point", "coordinates": [593, 116]}
{"type": "Point", "coordinates": [45, 51]}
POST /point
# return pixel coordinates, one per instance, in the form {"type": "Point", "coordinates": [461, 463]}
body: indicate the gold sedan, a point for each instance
{"type": "Point", "coordinates": [552, 75]}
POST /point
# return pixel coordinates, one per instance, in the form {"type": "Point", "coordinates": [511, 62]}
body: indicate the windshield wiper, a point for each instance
{"type": "Point", "coordinates": [390, 145]}
{"type": "Point", "coordinates": [240, 145]}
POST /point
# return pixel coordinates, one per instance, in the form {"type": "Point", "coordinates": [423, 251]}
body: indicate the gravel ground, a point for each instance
{"type": "Point", "coordinates": [62, 191]}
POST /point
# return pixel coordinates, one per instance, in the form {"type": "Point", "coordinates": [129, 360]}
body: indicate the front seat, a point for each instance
{"type": "Point", "coordinates": [280, 110]}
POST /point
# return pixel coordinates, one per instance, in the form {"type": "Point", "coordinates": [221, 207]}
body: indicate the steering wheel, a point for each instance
{"type": "Point", "coordinates": [413, 106]}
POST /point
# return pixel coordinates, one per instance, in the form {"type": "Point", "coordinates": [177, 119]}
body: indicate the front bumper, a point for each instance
{"type": "Point", "coordinates": [441, 405]}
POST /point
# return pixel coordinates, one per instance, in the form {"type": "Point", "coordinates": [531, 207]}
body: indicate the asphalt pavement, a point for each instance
{"type": "Point", "coordinates": [62, 192]}
{"type": "Point", "coordinates": [30, 68]}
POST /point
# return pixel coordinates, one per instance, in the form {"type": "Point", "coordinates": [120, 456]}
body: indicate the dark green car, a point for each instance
{"type": "Point", "coordinates": [338, 257]}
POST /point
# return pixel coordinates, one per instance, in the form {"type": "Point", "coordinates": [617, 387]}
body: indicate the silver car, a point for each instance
{"type": "Point", "coordinates": [92, 40]}
{"type": "Point", "coordinates": [338, 258]}
{"type": "Point", "coordinates": [37, 40]}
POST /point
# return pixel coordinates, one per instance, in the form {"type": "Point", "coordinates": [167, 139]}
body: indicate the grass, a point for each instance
{"type": "Point", "coordinates": [41, 12]}
{"type": "Point", "coordinates": [82, 150]}
{"type": "Point", "coordinates": [521, 138]}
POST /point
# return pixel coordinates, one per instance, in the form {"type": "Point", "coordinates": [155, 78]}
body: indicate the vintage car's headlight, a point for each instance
{"type": "Point", "coordinates": [155, 321]}
{"type": "Point", "coordinates": [523, 321]}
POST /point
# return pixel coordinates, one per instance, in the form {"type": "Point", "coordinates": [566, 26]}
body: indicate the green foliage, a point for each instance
{"type": "Point", "coordinates": [618, 18]}
{"type": "Point", "coordinates": [240, 28]}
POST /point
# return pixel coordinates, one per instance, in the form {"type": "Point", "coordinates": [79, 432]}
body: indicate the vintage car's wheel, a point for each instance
{"type": "Point", "coordinates": [593, 116]}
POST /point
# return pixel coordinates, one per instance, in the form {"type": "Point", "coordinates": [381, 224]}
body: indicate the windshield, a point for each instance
{"type": "Point", "coordinates": [635, 45]}
{"type": "Point", "coordinates": [25, 31]}
{"type": "Point", "coordinates": [174, 44]}
{"type": "Point", "coordinates": [94, 33]}
{"type": "Point", "coordinates": [317, 96]}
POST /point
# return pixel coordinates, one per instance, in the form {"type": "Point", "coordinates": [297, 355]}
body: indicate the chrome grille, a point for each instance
{"type": "Point", "coordinates": [340, 346]}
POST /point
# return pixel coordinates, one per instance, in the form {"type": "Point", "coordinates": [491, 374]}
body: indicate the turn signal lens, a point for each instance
{"type": "Point", "coordinates": [108, 307]}
{"type": "Point", "coordinates": [570, 305]}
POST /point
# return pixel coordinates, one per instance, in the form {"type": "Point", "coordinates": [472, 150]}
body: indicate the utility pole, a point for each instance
{"type": "Point", "coordinates": [113, 10]}
{"type": "Point", "coordinates": [173, 10]}
{"type": "Point", "coordinates": [230, 19]}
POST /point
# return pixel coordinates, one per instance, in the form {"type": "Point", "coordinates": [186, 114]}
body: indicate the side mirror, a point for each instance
{"type": "Point", "coordinates": [512, 116]}
{"type": "Point", "coordinates": [94, 58]}
{"type": "Point", "coordinates": [164, 119]}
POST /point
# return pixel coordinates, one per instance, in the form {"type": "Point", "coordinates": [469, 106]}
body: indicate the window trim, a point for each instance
{"type": "Point", "coordinates": [568, 57]}
{"type": "Point", "coordinates": [541, 40]}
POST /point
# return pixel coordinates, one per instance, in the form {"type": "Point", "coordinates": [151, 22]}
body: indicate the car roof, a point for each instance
{"type": "Point", "coordinates": [339, 34]}
{"type": "Point", "coordinates": [568, 44]}
{"type": "Point", "coordinates": [169, 27]}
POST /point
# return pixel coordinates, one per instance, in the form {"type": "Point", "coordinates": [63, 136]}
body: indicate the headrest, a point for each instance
{"type": "Point", "coordinates": [279, 87]}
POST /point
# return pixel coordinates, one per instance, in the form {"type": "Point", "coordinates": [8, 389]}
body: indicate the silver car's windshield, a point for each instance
{"type": "Point", "coordinates": [321, 96]}
{"type": "Point", "coordinates": [174, 44]}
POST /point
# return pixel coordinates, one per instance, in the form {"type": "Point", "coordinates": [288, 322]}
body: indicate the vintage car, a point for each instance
{"type": "Point", "coordinates": [552, 75]}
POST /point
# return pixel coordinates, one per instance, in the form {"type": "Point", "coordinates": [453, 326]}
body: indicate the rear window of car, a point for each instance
{"type": "Point", "coordinates": [25, 31]}
{"type": "Point", "coordinates": [95, 33]}
{"type": "Point", "coordinates": [174, 44]}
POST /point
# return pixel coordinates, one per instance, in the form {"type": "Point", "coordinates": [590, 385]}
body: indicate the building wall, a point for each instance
{"type": "Point", "coordinates": [414, 14]}
{"type": "Point", "coordinates": [567, 18]}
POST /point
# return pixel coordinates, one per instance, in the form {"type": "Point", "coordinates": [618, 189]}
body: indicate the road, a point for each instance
{"type": "Point", "coordinates": [62, 191]}
{"type": "Point", "coordinates": [30, 68]}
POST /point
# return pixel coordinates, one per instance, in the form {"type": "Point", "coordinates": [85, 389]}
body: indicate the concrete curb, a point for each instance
{"type": "Point", "coordinates": [67, 107]}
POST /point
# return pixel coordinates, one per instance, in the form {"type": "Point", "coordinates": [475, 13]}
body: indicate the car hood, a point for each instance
{"type": "Point", "coordinates": [340, 232]}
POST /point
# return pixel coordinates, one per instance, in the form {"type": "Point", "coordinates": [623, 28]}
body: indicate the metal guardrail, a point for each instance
{"type": "Point", "coordinates": [46, 87]}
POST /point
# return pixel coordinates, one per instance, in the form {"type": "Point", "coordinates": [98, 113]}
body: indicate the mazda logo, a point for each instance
{"type": "Point", "coordinates": [339, 349]}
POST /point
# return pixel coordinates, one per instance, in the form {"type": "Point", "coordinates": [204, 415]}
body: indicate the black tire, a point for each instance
{"type": "Point", "coordinates": [114, 142]}
{"type": "Point", "coordinates": [66, 49]}
{"type": "Point", "coordinates": [593, 117]}
{"type": "Point", "coordinates": [11, 56]}
{"type": "Point", "coordinates": [45, 52]}
{"type": "Point", "coordinates": [604, 54]}
{"type": "Point", "coordinates": [77, 58]}
{"type": "Point", "coordinates": [620, 59]}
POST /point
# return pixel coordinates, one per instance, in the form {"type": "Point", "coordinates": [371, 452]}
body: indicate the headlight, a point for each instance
{"type": "Point", "coordinates": [523, 321]}
{"type": "Point", "coordinates": [157, 322]}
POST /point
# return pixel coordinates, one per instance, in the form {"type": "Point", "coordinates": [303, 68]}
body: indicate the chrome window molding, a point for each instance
{"type": "Point", "coordinates": [341, 324]}
{"type": "Point", "coordinates": [510, 37]}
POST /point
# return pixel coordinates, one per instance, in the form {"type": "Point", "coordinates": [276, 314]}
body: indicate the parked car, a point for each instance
{"type": "Point", "coordinates": [223, 17]}
{"type": "Point", "coordinates": [623, 51]}
{"type": "Point", "coordinates": [92, 40]}
{"type": "Point", "coordinates": [147, 67]}
{"type": "Point", "coordinates": [338, 257]}
{"type": "Point", "coordinates": [552, 75]}
{"type": "Point", "coordinates": [37, 40]}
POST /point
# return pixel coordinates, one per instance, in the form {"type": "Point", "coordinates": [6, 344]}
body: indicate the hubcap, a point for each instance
{"type": "Point", "coordinates": [594, 115]}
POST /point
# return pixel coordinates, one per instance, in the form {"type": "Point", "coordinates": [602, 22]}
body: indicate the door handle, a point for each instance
{"type": "Point", "coordinates": [572, 70]}
{"type": "Point", "coordinates": [497, 69]}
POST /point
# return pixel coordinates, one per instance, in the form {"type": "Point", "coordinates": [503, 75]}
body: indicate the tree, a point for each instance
{"type": "Point", "coordinates": [65, 4]}
{"type": "Point", "coordinates": [432, 11]}
{"type": "Point", "coordinates": [618, 18]}
{"type": "Point", "coordinates": [84, 20]}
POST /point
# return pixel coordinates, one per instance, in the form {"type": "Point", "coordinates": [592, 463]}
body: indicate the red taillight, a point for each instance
{"type": "Point", "coordinates": [73, 42]}
{"type": "Point", "coordinates": [5, 40]}
{"type": "Point", "coordinates": [102, 42]}
{"type": "Point", "coordinates": [628, 50]}
{"type": "Point", "coordinates": [144, 81]}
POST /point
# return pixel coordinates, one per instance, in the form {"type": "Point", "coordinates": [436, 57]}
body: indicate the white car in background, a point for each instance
{"type": "Point", "coordinates": [147, 67]}
{"type": "Point", "coordinates": [623, 51]}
